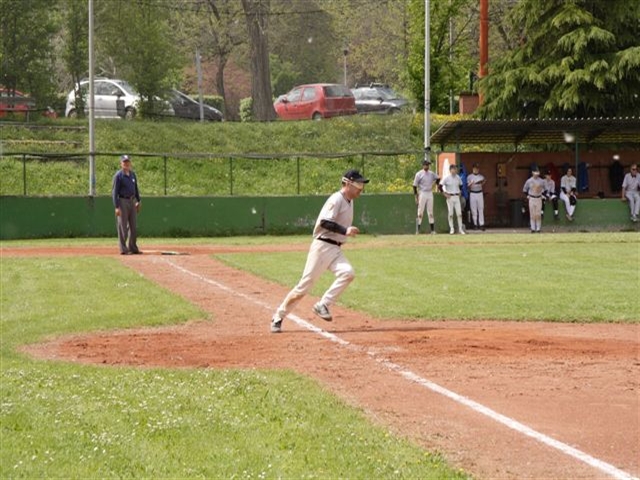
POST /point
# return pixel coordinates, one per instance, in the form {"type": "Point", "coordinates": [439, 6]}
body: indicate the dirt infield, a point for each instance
{"type": "Point", "coordinates": [498, 399]}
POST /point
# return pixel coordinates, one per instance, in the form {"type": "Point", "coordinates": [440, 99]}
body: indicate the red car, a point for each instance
{"type": "Point", "coordinates": [18, 103]}
{"type": "Point", "coordinates": [316, 101]}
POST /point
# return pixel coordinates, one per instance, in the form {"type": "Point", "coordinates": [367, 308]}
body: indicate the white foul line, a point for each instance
{"type": "Point", "coordinates": [434, 387]}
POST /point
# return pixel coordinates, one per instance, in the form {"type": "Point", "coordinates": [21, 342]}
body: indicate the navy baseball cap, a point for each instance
{"type": "Point", "coordinates": [354, 176]}
{"type": "Point", "coordinates": [426, 162]}
{"type": "Point", "coordinates": [125, 158]}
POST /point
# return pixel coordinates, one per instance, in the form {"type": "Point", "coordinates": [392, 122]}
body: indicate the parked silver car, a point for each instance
{"type": "Point", "coordinates": [107, 93]}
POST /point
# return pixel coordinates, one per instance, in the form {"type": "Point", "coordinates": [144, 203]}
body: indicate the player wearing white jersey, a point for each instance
{"type": "Point", "coordinates": [332, 228]}
{"type": "Point", "coordinates": [423, 183]}
{"type": "Point", "coordinates": [534, 188]}
{"type": "Point", "coordinates": [631, 191]}
{"type": "Point", "coordinates": [569, 193]}
{"type": "Point", "coordinates": [475, 182]}
{"type": "Point", "coordinates": [452, 187]}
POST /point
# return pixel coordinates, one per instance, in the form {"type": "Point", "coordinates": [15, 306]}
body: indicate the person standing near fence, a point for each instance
{"type": "Point", "coordinates": [550, 193]}
{"type": "Point", "coordinates": [569, 193]}
{"type": "Point", "coordinates": [475, 182]}
{"type": "Point", "coordinates": [423, 183]}
{"type": "Point", "coordinates": [332, 229]}
{"type": "Point", "coordinates": [126, 200]}
{"type": "Point", "coordinates": [631, 191]}
{"type": "Point", "coordinates": [534, 189]}
{"type": "Point", "coordinates": [452, 188]}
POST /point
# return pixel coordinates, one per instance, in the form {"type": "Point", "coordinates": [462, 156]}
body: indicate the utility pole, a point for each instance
{"type": "Point", "coordinates": [427, 82]}
{"type": "Point", "coordinates": [92, 140]}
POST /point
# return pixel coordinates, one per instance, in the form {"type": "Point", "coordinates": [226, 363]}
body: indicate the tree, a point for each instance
{"type": "Point", "coordinates": [76, 45]}
{"type": "Point", "coordinates": [303, 44]}
{"type": "Point", "coordinates": [135, 35]}
{"type": "Point", "coordinates": [450, 61]}
{"type": "Point", "coordinates": [257, 17]}
{"type": "Point", "coordinates": [26, 55]}
{"type": "Point", "coordinates": [577, 58]}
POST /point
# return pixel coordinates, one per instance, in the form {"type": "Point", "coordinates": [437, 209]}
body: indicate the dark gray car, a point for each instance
{"type": "Point", "coordinates": [186, 107]}
{"type": "Point", "coordinates": [380, 99]}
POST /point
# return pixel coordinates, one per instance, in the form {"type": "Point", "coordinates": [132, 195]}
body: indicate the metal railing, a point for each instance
{"type": "Point", "coordinates": [205, 174]}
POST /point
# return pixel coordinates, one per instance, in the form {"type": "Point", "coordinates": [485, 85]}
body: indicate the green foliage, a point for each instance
{"type": "Point", "coordinates": [69, 420]}
{"type": "Point", "coordinates": [76, 47]}
{"type": "Point", "coordinates": [146, 56]}
{"type": "Point", "coordinates": [446, 76]}
{"type": "Point", "coordinates": [26, 53]}
{"type": "Point", "coordinates": [577, 59]}
{"type": "Point", "coordinates": [246, 109]}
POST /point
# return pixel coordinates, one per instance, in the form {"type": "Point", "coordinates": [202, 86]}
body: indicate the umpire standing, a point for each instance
{"type": "Point", "coordinates": [126, 200]}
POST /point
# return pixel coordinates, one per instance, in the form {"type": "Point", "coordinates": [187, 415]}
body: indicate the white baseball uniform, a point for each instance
{"type": "Point", "coordinates": [631, 190]}
{"type": "Point", "coordinates": [451, 185]}
{"type": "Point", "coordinates": [567, 184]}
{"type": "Point", "coordinates": [325, 254]}
{"type": "Point", "coordinates": [534, 188]}
{"type": "Point", "coordinates": [423, 182]}
{"type": "Point", "coordinates": [476, 198]}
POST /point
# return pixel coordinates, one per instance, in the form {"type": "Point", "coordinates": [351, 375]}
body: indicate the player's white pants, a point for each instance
{"type": "Point", "coordinates": [453, 204]}
{"type": "Point", "coordinates": [535, 213]}
{"type": "Point", "coordinates": [322, 256]}
{"type": "Point", "coordinates": [425, 199]}
{"type": "Point", "coordinates": [476, 204]}
{"type": "Point", "coordinates": [567, 204]}
{"type": "Point", "coordinates": [634, 203]}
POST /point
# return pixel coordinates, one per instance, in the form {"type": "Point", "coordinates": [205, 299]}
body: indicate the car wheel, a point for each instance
{"type": "Point", "coordinates": [316, 116]}
{"type": "Point", "coordinates": [72, 114]}
{"type": "Point", "coordinates": [129, 113]}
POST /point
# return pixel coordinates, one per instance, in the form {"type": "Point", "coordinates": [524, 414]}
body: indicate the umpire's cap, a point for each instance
{"type": "Point", "coordinates": [354, 176]}
{"type": "Point", "coordinates": [125, 158]}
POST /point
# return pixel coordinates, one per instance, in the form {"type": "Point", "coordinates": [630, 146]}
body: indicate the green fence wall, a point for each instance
{"type": "Point", "coordinates": [42, 217]}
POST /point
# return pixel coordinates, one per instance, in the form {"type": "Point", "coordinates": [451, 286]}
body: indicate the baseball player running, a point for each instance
{"type": "Point", "coordinates": [475, 182]}
{"type": "Point", "coordinates": [423, 183]}
{"type": "Point", "coordinates": [331, 230]}
{"type": "Point", "coordinates": [451, 187]}
{"type": "Point", "coordinates": [534, 188]}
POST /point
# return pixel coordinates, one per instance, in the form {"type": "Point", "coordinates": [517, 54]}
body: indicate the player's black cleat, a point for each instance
{"type": "Point", "coordinates": [276, 325]}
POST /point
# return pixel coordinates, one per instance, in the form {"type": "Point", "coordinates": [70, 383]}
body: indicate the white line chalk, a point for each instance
{"type": "Point", "coordinates": [434, 387]}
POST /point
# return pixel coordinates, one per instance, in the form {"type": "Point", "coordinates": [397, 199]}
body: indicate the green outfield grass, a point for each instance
{"type": "Point", "coordinates": [62, 420]}
{"type": "Point", "coordinates": [592, 277]}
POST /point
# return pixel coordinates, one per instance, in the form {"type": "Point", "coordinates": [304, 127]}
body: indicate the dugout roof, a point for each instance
{"type": "Point", "coordinates": [535, 131]}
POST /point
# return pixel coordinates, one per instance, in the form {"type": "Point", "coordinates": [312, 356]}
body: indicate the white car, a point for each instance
{"type": "Point", "coordinates": [107, 92]}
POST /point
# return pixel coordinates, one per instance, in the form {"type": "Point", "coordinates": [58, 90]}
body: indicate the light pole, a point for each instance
{"type": "Point", "coordinates": [345, 52]}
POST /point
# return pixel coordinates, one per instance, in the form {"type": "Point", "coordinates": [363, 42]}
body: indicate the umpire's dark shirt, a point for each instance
{"type": "Point", "coordinates": [124, 186]}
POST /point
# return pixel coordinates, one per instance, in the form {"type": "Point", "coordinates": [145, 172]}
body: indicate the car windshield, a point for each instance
{"type": "Point", "coordinates": [126, 87]}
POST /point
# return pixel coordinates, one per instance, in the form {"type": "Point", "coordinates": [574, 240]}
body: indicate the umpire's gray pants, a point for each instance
{"type": "Point", "coordinates": [127, 225]}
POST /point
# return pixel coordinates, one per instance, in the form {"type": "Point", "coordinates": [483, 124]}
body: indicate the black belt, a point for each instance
{"type": "Point", "coordinates": [454, 194]}
{"type": "Point", "coordinates": [328, 240]}
{"type": "Point", "coordinates": [477, 192]}
{"type": "Point", "coordinates": [533, 196]}
{"type": "Point", "coordinates": [126, 198]}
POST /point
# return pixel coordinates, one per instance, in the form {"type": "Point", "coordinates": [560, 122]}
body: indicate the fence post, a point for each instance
{"type": "Point", "coordinates": [164, 157]}
{"type": "Point", "coordinates": [230, 175]}
{"type": "Point", "coordinates": [24, 174]}
{"type": "Point", "coordinates": [298, 173]}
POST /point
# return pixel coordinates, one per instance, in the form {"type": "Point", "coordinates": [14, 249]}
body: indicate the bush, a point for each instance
{"type": "Point", "coordinates": [246, 109]}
